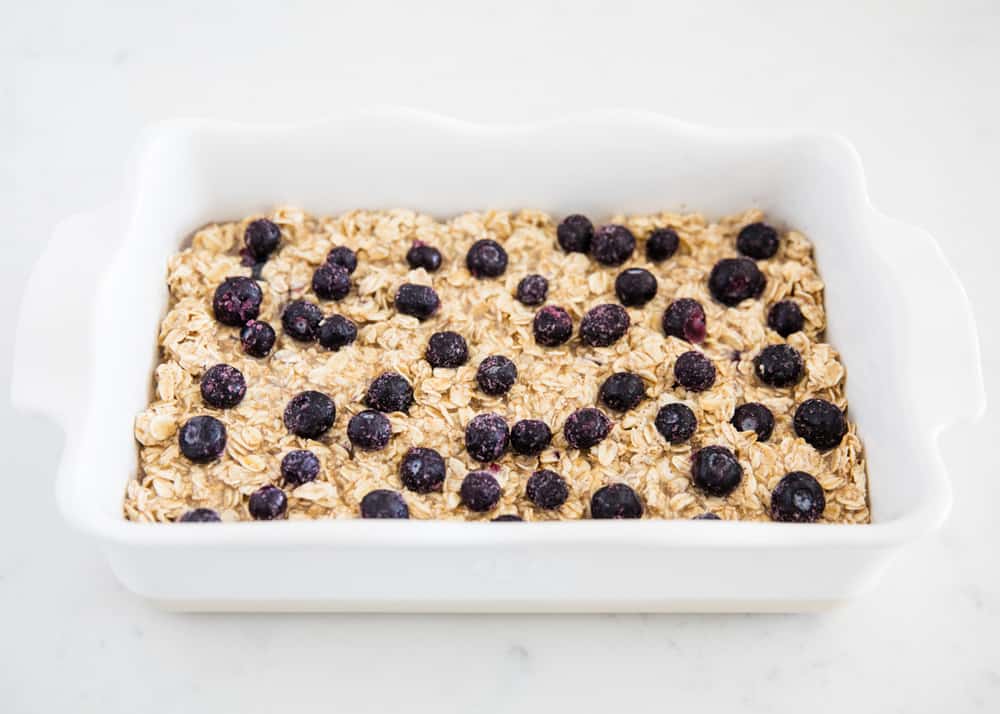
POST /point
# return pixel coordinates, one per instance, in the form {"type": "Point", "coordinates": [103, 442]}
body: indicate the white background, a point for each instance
{"type": "Point", "coordinates": [916, 86]}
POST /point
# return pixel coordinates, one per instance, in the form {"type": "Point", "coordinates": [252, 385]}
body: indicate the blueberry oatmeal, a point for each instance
{"type": "Point", "coordinates": [496, 366]}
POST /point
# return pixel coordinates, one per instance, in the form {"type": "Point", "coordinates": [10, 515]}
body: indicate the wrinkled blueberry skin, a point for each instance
{"type": "Point", "coordinates": [299, 467]}
{"type": "Point", "coordinates": [486, 259]}
{"type": "Point", "coordinates": [420, 301]}
{"type": "Point", "coordinates": [820, 423]}
{"type": "Point", "coordinates": [447, 350]}
{"type": "Point", "coordinates": [237, 301]}
{"type": "Point", "coordinates": [785, 318]}
{"type": "Point", "coordinates": [336, 331]}
{"type": "Point", "coordinates": [507, 517]}
{"type": "Point", "coordinates": [422, 470]}
{"type": "Point", "coordinates": [369, 430]}
{"type": "Point", "coordinates": [223, 386]}
{"type": "Point", "coordinates": [200, 515]}
{"type": "Point", "coordinates": [344, 257]}
{"type": "Point", "coordinates": [309, 414]}
{"type": "Point", "coordinates": [261, 238]}
{"type": "Point", "coordinates": [532, 290]}
{"type": "Point", "coordinates": [331, 281]}
{"type": "Point", "coordinates": [615, 501]}
{"type": "Point", "coordinates": [706, 517]}
{"type": "Point", "coordinates": [268, 503]}
{"type": "Point", "coordinates": [423, 256]}
{"type": "Point", "coordinates": [661, 244]}
{"type": "Point", "coordinates": [552, 326]}
{"type": "Point", "coordinates": [547, 489]}
{"type": "Point", "coordinates": [496, 375]}
{"type": "Point", "coordinates": [575, 234]}
{"type": "Point", "coordinates": [758, 241]}
{"type": "Point", "coordinates": [612, 244]}
{"type": "Point", "coordinates": [486, 437]}
{"type": "Point", "coordinates": [635, 287]}
{"type": "Point", "coordinates": [202, 439]}
{"type": "Point", "coordinates": [257, 338]}
{"type": "Point", "coordinates": [798, 498]}
{"type": "Point", "coordinates": [734, 280]}
{"type": "Point", "coordinates": [694, 371]}
{"type": "Point", "coordinates": [754, 417]}
{"type": "Point", "coordinates": [586, 428]}
{"type": "Point", "coordinates": [779, 366]}
{"type": "Point", "coordinates": [530, 437]}
{"type": "Point", "coordinates": [383, 503]}
{"type": "Point", "coordinates": [604, 325]}
{"type": "Point", "coordinates": [480, 491]}
{"type": "Point", "coordinates": [676, 422]}
{"type": "Point", "coordinates": [715, 470]}
{"type": "Point", "coordinates": [685, 318]}
{"type": "Point", "coordinates": [301, 319]}
{"type": "Point", "coordinates": [622, 391]}
{"type": "Point", "coordinates": [389, 392]}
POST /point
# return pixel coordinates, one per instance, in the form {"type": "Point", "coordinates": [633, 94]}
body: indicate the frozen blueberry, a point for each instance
{"type": "Point", "coordinates": [301, 320]}
{"type": "Point", "coordinates": [200, 515]}
{"type": "Point", "coordinates": [617, 500]}
{"type": "Point", "coordinates": [202, 439]}
{"type": "Point", "coordinates": [635, 287]}
{"type": "Point", "coordinates": [575, 234]}
{"type": "Point", "coordinates": [530, 437]}
{"type": "Point", "coordinates": [480, 491]}
{"type": "Point", "coordinates": [612, 244]}
{"type": "Point", "coordinates": [661, 244]}
{"type": "Point", "coordinates": [709, 516]}
{"type": "Point", "coordinates": [299, 467]}
{"type": "Point", "coordinates": [715, 470]}
{"type": "Point", "coordinates": [447, 349]}
{"type": "Point", "coordinates": [798, 498]}
{"type": "Point", "coordinates": [694, 371]}
{"type": "Point", "coordinates": [486, 259]}
{"type": "Point", "coordinates": [223, 386]}
{"type": "Point", "coordinates": [423, 256]}
{"type": "Point", "coordinates": [758, 240]}
{"type": "Point", "coordinates": [389, 392]}
{"type": "Point", "coordinates": [422, 470]}
{"type": "Point", "coordinates": [622, 391]}
{"type": "Point", "coordinates": [586, 427]}
{"type": "Point", "coordinates": [507, 517]}
{"type": "Point", "coordinates": [257, 338]}
{"type": "Point", "coordinates": [383, 503]}
{"type": "Point", "coordinates": [496, 375]}
{"type": "Point", "coordinates": [552, 326]}
{"type": "Point", "coordinates": [237, 301]}
{"type": "Point", "coordinates": [309, 414]}
{"type": "Point", "coordinates": [546, 489]}
{"type": "Point", "coordinates": [734, 280]}
{"type": "Point", "coordinates": [604, 325]}
{"type": "Point", "coordinates": [486, 437]}
{"type": "Point", "coordinates": [261, 238]}
{"type": "Point", "coordinates": [685, 318]}
{"type": "Point", "coordinates": [785, 317]}
{"type": "Point", "coordinates": [369, 430]}
{"type": "Point", "coordinates": [532, 290]}
{"type": "Point", "coordinates": [778, 366]}
{"type": "Point", "coordinates": [331, 281]}
{"type": "Point", "coordinates": [268, 503]}
{"type": "Point", "coordinates": [344, 257]}
{"type": "Point", "coordinates": [676, 422]}
{"type": "Point", "coordinates": [420, 301]}
{"type": "Point", "coordinates": [336, 331]}
{"type": "Point", "coordinates": [820, 423]}
{"type": "Point", "coordinates": [754, 417]}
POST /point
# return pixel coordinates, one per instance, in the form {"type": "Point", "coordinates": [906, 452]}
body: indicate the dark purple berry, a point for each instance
{"type": "Point", "coordinates": [779, 366]}
{"type": "Point", "coordinates": [758, 240]}
{"type": "Point", "coordinates": [486, 437]}
{"type": "Point", "coordinates": [486, 259]}
{"type": "Point", "coordinates": [694, 371]}
{"type": "Point", "coordinates": [685, 318]}
{"type": "Point", "coordinates": [547, 489]}
{"type": "Point", "coordinates": [530, 437]}
{"type": "Point", "coordinates": [301, 320]}
{"type": "Point", "coordinates": [661, 244]}
{"type": "Point", "coordinates": [261, 238]}
{"type": "Point", "coordinates": [798, 498]}
{"type": "Point", "coordinates": [331, 281]}
{"type": "Point", "coordinates": [268, 503]}
{"type": "Point", "coordinates": [575, 234]}
{"type": "Point", "coordinates": [612, 244]}
{"type": "Point", "coordinates": [237, 301]}
{"type": "Point", "coordinates": [309, 414]}
{"type": "Point", "coordinates": [754, 417]}
{"type": "Point", "coordinates": [369, 430]}
{"type": "Point", "coordinates": [200, 515]}
{"type": "Point", "coordinates": [715, 470]}
{"type": "Point", "coordinates": [447, 349]}
{"type": "Point", "coordinates": [257, 338]}
{"type": "Point", "coordinates": [734, 280]}
{"type": "Point", "coordinates": [604, 325]}
{"type": "Point", "coordinates": [389, 392]}
{"type": "Point", "coordinates": [635, 287]}
{"type": "Point", "coordinates": [202, 439]}
{"type": "Point", "coordinates": [617, 500]}
{"type": "Point", "coordinates": [820, 423]}
{"type": "Point", "coordinates": [480, 491]}
{"type": "Point", "coordinates": [223, 386]}
{"type": "Point", "coordinates": [552, 326]}
{"type": "Point", "coordinates": [344, 257]}
{"type": "Point", "coordinates": [420, 301]}
{"type": "Point", "coordinates": [496, 375]}
{"type": "Point", "coordinates": [532, 290]}
{"type": "Point", "coordinates": [622, 391]}
{"type": "Point", "coordinates": [336, 331]}
{"type": "Point", "coordinates": [299, 467]}
{"type": "Point", "coordinates": [507, 517]}
{"type": "Point", "coordinates": [586, 427]}
{"type": "Point", "coordinates": [785, 318]}
{"type": "Point", "coordinates": [706, 517]}
{"type": "Point", "coordinates": [383, 503]}
{"type": "Point", "coordinates": [676, 422]}
{"type": "Point", "coordinates": [423, 256]}
{"type": "Point", "coordinates": [422, 470]}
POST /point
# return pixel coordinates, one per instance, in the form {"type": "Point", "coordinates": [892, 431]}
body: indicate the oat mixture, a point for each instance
{"type": "Point", "coordinates": [551, 381]}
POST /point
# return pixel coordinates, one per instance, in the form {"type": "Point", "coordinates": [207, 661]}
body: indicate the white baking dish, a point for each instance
{"type": "Point", "coordinates": [87, 331]}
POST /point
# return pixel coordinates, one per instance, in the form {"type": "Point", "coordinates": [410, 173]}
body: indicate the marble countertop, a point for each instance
{"type": "Point", "coordinates": [913, 85]}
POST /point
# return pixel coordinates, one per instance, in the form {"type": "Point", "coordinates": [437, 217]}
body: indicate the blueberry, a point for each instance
{"type": "Point", "coordinates": [635, 287]}
{"type": "Point", "coordinates": [344, 257]}
{"type": "Point", "coordinates": [676, 422]}
{"type": "Point", "coordinates": [612, 244]}
{"type": "Point", "coordinates": [530, 437]}
{"type": "Point", "coordinates": [422, 470]}
{"type": "Point", "coordinates": [420, 301]}
{"type": "Point", "coordinates": [694, 371]}
{"type": "Point", "coordinates": [301, 320]}
{"type": "Point", "coordinates": [369, 430]}
{"type": "Point", "coordinates": [237, 301]}
{"type": "Point", "coordinates": [547, 489]}
{"type": "Point", "coordinates": [575, 234]}
{"type": "Point", "coordinates": [423, 256]}
{"type": "Point", "coordinates": [309, 414]}
{"type": "Point", "coordinates": [480, 491]}
{"type": "Point", "coordinates": [820, 423]}
{"type": "Point", "coordinates": [785, 317]}
{"type": "Point", "coordinates": [604, 325]}
{"type": "Point", "coordinates": [496, 375]}
{"type": "Point", "coordinates": [200, 515]}
{"type": "Point", "coordinates": [389, 392]}
{"type": "Point", "coordinates": [261, 238]}
{"type": "Point", "coordinates": [336, 331]}
{"type": "Point", "coordinates": [758, 240]}
{"type": "Point", "coordinates": [532, 290]}
{"type": "Point", "coordinates": [268, 503]}
{"type": "Point", "coordinates": [383, 503]}
{"type": "Point", "coordinates": [617, 500]}
{"type": "Point", "coordinates": [486, 437]}
{"type": "Point", "coordinates": [331, 281]}
{"type": "Point", "coordinates": [622, 391]}
{"type": "Point", "coordinates": [447, 349]}
{"type": "Point", "coordinates": [507, 517]}
{"type": "Point", "coordinates": [486, 259]}
{"type": "Point", "coordinates": [715, 470]}
{"type": "Point", "coordinates": [586, 427]}
{"type": "Point", "coordinates": [257, 338]}
{"type": "Point", "coordinates": [779, 366]}
{"type": "Point", "coordinates": [552, 326]}
{"type": "Point", "coordinates": [202, 439]}
{"type": "Point", "coordinates": [685, 318]}
{"type": "Point", "coordinates": [734, 280]}
{"type": "Point", "coordinates": [798, 498]}
{"type": "Point", "coordinates": [754, 417]}
{"type": "Point", "coordinates": [709, 516]}
{"type": "Point", "coordinates": [223, 386]}
{"type": "Point", "coordinates": [299, 467]}
{"type": "Point", "coordinates": [661, 244]}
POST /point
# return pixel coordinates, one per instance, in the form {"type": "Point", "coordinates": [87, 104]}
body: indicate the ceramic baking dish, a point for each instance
{"type": "Point", "coordinates": [85, 348]}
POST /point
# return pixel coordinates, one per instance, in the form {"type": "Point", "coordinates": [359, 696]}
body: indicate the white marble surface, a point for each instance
{"type": "Point", "coordinates": [915, 85]}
